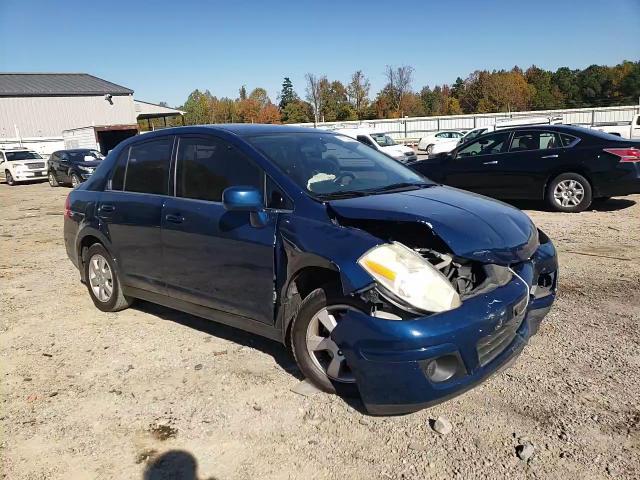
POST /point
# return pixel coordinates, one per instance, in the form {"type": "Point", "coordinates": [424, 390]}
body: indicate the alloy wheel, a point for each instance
{"type": "Point", "coordinates": [324, 352]}
{"type": "Point", "coordinates": [568, 193]}
{"type": "Point", "coordinates": [75, 181]}
{"type": "Point", "coordinates": [100, 278]}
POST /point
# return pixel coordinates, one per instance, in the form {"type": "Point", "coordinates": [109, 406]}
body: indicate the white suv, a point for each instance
{"type": "Point", "coordinates": [21, 165]}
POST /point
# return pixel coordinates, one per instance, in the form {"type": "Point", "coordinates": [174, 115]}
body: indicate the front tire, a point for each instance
{"type": "Point", "coordinates": [9, 178]}
{"type": "Point", "coordinates": [318, 356]}
{"type": "Point", "coordinates": [75, 180]}
{"type": "Point", "coordinates": [429, 149]}
{"type": "Point", "coordinates": [103, 281]}
{"type": "Point", "coordinates": [53, 181]}
{"type": "Point", "coordinates": [569, 192]}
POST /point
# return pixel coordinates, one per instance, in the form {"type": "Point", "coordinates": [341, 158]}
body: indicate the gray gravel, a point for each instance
{"type": "Point", "coordinates": [110, 396]}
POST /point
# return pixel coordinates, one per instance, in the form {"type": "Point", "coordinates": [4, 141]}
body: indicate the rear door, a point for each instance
{"type": "Point", "coordinates": [525, 169]}
{"type": "Point", "coordinates": [3, 166]}
{"type": "Point", "coordinates": [213, 257]}
{"type": "Point", "coordinates": [475, 167]}
{"type": "Point", "coordinates": [131, 210]}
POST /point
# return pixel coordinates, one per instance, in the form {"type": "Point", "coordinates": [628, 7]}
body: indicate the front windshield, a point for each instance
{"type": "Point", "coordinates": [83, 156]}
{"type": "Point", "coordinates": [22, 155]}
{"type": "Point", "coordinates": [328, 165]}
{"type": "Point", "coordinates": [383, 140]}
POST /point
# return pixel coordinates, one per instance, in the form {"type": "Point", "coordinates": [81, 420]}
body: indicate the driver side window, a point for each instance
{"type": "Point", "coordinates": [487, 145]}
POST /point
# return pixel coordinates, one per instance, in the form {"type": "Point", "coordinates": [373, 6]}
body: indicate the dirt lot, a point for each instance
{"type": "Point", "coordinates": [149, 392]}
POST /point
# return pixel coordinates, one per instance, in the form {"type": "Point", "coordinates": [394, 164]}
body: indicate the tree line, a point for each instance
{"type": "Point", "coordinates": [482, 91]}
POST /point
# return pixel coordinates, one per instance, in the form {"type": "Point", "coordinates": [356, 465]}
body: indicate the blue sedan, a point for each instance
{"type": "Point", "coordinates": [383, 283]}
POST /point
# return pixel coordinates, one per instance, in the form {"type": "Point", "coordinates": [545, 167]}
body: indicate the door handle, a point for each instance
{"type": "Point", "coordinates": [550, 156]}
{"type": "Point", "coordinates": [174, 218]}
{"type": "Point", "coordinates": [494, 162]}
{"type": "Point", "coordinates": [107, 208]}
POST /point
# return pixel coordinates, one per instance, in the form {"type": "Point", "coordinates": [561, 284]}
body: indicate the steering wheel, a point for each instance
{"type": "Point", "coordinates": [341, 176]}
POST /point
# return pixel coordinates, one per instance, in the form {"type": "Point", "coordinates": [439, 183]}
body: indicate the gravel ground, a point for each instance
{"type": "Point", "coordinates": [153, 393]}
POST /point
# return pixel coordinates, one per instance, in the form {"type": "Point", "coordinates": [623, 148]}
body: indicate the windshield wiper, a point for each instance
{"type": "Point", "coordinates": [342, 194]}
{"type": "Point", "coordinates": [400, 186]}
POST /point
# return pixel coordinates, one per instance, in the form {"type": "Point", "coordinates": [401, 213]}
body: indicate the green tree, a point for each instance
{"type": "Point", "coordinates": [457, 90]}
{"type": "Point", "coordinates": [545, 94]}
{"type": "Point", "coordinates": [287, 95]}
{"type": "Point", "coordinates": [197, 108]}
{"type": "Point", "coordinates": [297, 111]}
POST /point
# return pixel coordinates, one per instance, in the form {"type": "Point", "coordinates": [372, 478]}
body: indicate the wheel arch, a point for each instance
{"type": "Point", "coordinates": [88, 237]}
{"type": "Point", "coordinates": [577, 169]}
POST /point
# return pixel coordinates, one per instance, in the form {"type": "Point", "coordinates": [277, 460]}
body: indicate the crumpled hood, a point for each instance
{"type": "Point", "coordinates": [473, 226]}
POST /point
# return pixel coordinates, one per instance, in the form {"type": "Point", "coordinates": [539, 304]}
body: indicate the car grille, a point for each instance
{"type": "Point", "coordinates": [492, 345]}
{"type": "Point", "coordinates": [35, 166]}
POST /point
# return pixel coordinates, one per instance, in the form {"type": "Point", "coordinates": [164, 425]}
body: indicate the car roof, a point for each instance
{"type": "Point", "coordinates": [244, 129]}
{"type": "Point", "coordinates": [76, 150]}
{"type": "Point", "coordinates": [575, 129]}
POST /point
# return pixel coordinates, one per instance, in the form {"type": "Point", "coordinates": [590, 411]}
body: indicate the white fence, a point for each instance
{"type": "Point", "coordinates": [409, 129]}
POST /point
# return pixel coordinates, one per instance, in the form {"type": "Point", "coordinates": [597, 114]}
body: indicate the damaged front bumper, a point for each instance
{"type": "Point", "coordinates": [406, 365]}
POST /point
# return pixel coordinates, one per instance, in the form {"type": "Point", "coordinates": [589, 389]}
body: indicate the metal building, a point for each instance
{"type": "Point", "coordinates": [35, 108]}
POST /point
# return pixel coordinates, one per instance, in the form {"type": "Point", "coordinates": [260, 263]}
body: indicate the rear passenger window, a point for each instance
{"type": "Point", "coordinates": [568, 140]}
{"type": "Point", "coordinates": [148, 166]}
{"type": "Point", "coordinates": [534, 140]}
{"type": "Point", "coordinates": [117, 179]}
{"type": "Point", "coordinates": [206, 166]}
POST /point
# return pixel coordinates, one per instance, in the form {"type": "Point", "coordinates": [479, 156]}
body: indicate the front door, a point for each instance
{"type": "Point", "coordinates": [476, 167]}
{"type": "Point", "coordinates": [131, 211]}
{"type": "Point", "coordinates": [213, 257]}
{"type": "Point", "coordinates": [3, 166]}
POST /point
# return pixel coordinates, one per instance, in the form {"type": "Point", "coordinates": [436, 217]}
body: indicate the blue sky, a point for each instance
{"type": "Point", "coordinates": [165, 49]}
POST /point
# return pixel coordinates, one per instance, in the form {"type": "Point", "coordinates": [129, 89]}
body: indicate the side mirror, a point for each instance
{"type": "Point", "coordinates": [242, 199]}
{"type": "Point", "coordinates": [246, 199]}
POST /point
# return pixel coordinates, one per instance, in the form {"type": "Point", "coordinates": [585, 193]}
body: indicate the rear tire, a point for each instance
{"type": "Point", "coordinates": [103, 281]}
{"type": "Point", "coordinates": [569, 192]}
{"type": "Point", "coordinates": [9, 178]}
{"type": "Point", "coordinates": [53, 181]}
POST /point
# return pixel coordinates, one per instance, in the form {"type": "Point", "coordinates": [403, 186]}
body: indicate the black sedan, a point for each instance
{"type": "Point", "coordinates": [565, 165]}
{"type": "Point", "coordinates": [72, 166]}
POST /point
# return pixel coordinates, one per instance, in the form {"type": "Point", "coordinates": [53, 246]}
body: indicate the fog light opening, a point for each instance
{"type": "Point", "coordinates": [442, 368]}
{"type": "Point", "coordinates": [545, 280]}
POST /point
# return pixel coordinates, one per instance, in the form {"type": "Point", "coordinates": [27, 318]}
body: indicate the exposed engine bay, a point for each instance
{"type": "Point", "coordinates": [469, 278]}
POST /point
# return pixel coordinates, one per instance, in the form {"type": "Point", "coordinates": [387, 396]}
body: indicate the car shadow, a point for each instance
{"type": "Point", "coordinates": [598, 205]}
{"type": "Point", "coordinates": [279, 352]}
{"type": "Point", "coordinates": [173, 465]}
{"type": "Point", "coordinates": [276, 350]}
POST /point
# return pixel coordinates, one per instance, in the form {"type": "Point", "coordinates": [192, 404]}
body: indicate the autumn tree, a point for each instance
{"type": "Point", "coordinates": [399, 82]}
{"type": "Point", "coordinates": [358, 93]}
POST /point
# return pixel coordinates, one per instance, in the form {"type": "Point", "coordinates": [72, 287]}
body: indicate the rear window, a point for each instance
{"type": "Point", "coordinates": [23, 155]}
{"type": "Point", "coordinates": [148, 167]}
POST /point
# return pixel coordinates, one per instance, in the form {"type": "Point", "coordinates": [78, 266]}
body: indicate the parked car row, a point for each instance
{"type": "Point", "coordinates": [64, 167]}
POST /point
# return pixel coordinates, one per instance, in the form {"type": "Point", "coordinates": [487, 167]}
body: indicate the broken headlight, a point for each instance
{"type": "Point", "coordinates": [407, 275]}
